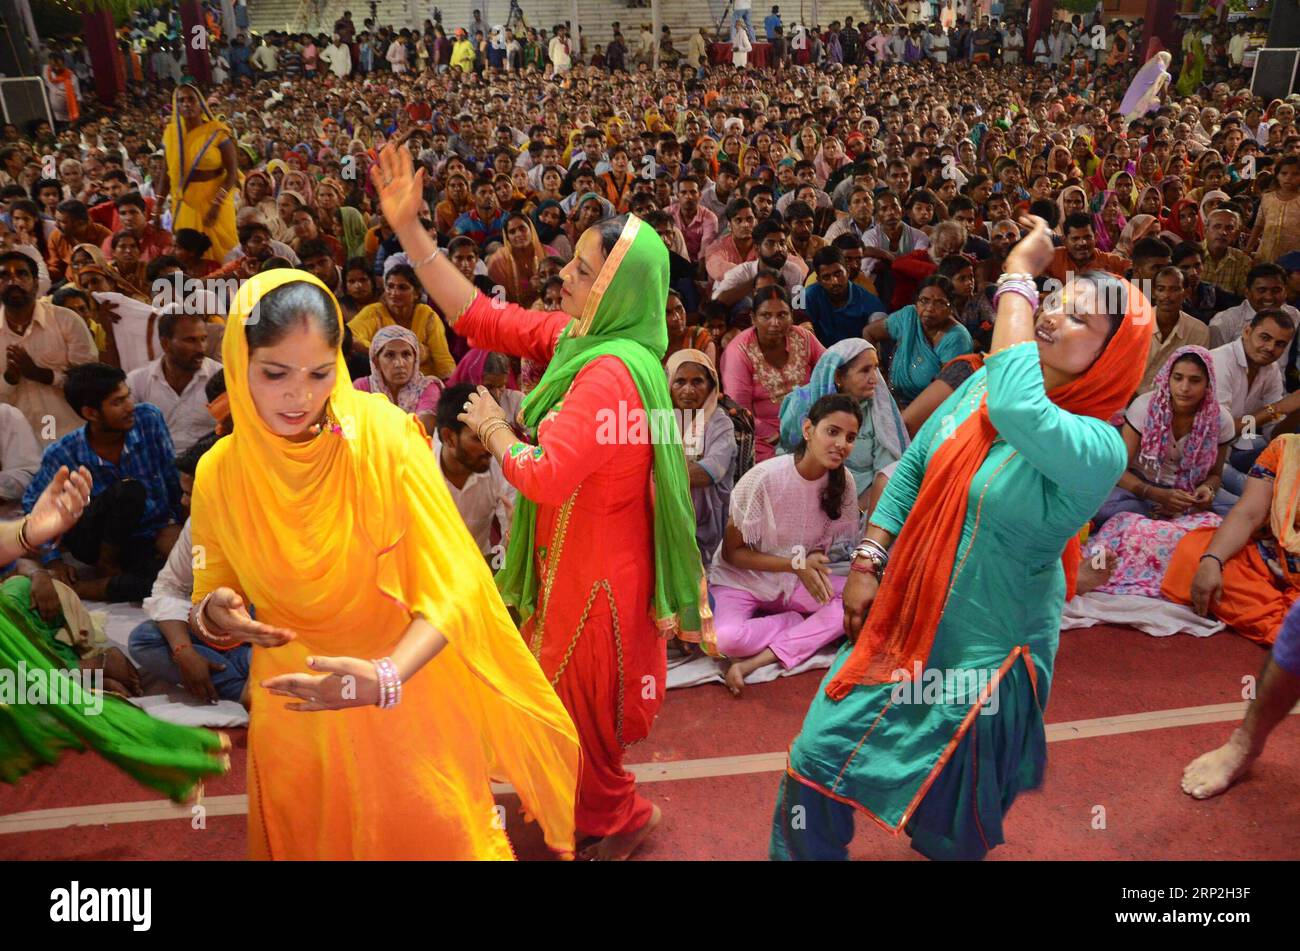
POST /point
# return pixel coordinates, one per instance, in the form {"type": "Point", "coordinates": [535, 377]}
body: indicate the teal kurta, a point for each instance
{"type": "Point", "coordinates": [949, 771]}
{"type": "Point", "coordinates": [916, 361]}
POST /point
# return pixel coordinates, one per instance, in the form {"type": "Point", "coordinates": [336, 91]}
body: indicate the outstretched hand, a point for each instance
{"type": "Point", "coordinates": [399, 185]}
{"type": "Point", "coordinates": [344, 682]}
{"type": "Point", "coordinates": [59, 506]}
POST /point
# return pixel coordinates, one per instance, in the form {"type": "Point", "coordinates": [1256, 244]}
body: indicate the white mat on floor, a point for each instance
{"type": "Point", "coordinates": [1154, 616]}
{"type": "Point", "coordinates": [701, 669]}
{"type": "Point", "coordinates": [162, 700]}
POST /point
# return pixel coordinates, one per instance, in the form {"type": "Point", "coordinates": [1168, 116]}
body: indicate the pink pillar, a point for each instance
{"type": "Point", "coordinates": [105, 58]}
{"type": "Point", "coordinates": [200, 66]}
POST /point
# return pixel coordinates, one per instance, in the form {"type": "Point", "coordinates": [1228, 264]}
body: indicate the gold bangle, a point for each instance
{"type": "Point", "coordinates": [490, 428]}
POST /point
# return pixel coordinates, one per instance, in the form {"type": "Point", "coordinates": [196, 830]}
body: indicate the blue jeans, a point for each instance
{"type": "Point", "coordinates": [151, 651]}
{"type": "Point", "coordinates": [1240, 462]}
{"type": "Point", "coordinates": [749, 26]}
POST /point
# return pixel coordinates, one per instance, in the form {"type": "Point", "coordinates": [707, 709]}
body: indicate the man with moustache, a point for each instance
{"type": "Point", "coordinates": [773, 254]}
{"type": "Point", "coordinates": [40, 342]}
{"type": "Point", "coordinates": [176, 381]}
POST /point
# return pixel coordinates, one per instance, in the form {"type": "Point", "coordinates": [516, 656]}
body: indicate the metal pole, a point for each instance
{"type": "Point", "coordinates": [34, 38]}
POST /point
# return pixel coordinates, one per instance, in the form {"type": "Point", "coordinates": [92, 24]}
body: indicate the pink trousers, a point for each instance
{"type": "Point", "coordinates": [794, 628]}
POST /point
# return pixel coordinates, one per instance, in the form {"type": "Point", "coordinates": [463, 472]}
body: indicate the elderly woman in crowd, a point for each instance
{"type": "Point", "coordinates": [395, 372]}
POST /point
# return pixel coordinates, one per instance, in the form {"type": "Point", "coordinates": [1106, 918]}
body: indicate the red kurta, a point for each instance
{"type": "Point", "coordinates": [593, 630]}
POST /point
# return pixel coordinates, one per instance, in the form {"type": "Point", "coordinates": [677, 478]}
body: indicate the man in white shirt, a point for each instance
{"type": "Point", "coordinates": [1249, 384]}
{"type": "Point", "coordinates": [176, 381]}
{"type": "Point", "coordinates": [1265, 290]}
{"type": "Point", "coordinates": [561, 60]}
{"type": "Point", "coordinates": [773, 255]}
{"type": "Point", "coordinates": [744, 11]}
{"type": "Point", "coordinates": [338, 58]}
{"type": "Point", "coordinates": [477, 485]}
{"type": "Point", "coordinates": [20, 455]}
{"type": "Point", "coordinates": [163, 645]}
{"type": "Point", "coordinates": [38, 343]}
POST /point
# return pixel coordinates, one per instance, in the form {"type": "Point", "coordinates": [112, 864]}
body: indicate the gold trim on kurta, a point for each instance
{"type": "Point", "coordinates": [597, 587]}
{"type": "Point", "coordinates": [553, 552]}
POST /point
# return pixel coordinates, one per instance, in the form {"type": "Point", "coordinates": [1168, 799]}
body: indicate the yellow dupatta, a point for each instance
{"type": "Point", "coordinates": [342, 539]}
{"type": "Point", "coordinates": [199, 149]}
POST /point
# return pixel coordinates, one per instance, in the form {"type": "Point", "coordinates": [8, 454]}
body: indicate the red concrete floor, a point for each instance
{"type": "Point", "coordinates": [1100, 672]}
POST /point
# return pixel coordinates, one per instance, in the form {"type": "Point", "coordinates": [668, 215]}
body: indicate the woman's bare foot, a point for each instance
{"type": "Point", "coordinates": [742, 668]}
{"type": "Point", "coordinates": [1090, 576]}
{"type": "Point", "coordinates": [619, 848]}
{"type": "Point", "coordinates": [1212, 773]}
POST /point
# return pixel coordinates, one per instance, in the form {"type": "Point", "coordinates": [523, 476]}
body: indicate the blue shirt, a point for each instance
{"type": "Point", "coordinates": [770, 23]}
{"type": "Point", "coordinates": [469, 223]}
{"type": "Point", "coordinates": [832, 324]}
{"type": "Point", "coordinates": [147, 456]}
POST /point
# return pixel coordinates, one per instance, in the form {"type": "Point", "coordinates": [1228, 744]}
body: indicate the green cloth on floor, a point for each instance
{"type": "Point", "coordinates": [168, 758]}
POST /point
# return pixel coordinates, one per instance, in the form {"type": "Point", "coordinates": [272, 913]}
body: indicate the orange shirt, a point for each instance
{"type": "Point", "coordinates": [1062, 264]}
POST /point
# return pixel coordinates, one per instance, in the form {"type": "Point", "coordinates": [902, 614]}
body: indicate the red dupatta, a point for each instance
{"type": "Point", "coordinates": [900, 628]}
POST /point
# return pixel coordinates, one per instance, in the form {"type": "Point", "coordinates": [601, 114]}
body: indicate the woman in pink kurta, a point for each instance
{"type": "Point", "coordinates": [764, 363]}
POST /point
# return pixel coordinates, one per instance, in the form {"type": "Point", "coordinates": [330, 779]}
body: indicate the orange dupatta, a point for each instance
{"type": "Point", "coordinates": [899, 631]}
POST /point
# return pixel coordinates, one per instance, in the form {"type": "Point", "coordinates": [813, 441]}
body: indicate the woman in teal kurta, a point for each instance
{"type": "Point", "coordinates": [943, 752]}
{"type": "Point", "coordinates": [927, 335]}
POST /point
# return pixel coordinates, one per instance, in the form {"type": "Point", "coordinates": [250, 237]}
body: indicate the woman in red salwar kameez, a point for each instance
{"type": "Point", "coordinates": [602, 559]}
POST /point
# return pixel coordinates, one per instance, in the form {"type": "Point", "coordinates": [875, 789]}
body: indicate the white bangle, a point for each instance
{"type": "Point", "coordinates": [427, 260]}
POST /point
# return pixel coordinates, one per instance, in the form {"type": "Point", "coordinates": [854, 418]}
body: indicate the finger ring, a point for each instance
{"type": "Point", "coordinates": [467, 406]}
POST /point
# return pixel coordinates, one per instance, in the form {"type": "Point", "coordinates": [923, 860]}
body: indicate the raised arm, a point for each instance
{"type": "Point", "coordinates": [401, 196]}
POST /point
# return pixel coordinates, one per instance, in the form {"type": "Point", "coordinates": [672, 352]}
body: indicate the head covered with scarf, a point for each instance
{"type": "Point", "coordinates": [886, 421]}
{"type": "Point", "coordinates": [623, 318]}
{"type": "Point", "coordinates": [271, 506]}
{"type": "Point", "coordinates": [694, 426]}
{"type": "Point", "coordinates": [408, 396]}
{"type": "Point", "coordinates": [1201, 447]}
{"type": "Point", "coordinates": [899, 632]}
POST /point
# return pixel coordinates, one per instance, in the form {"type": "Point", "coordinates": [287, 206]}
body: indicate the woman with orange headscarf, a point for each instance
{"type": "Point", "coordinates": [984, 507]}
{"type": "Point", "coordinates": [325, 509]}
{"type": "Point", "coordinates": [513, 265]}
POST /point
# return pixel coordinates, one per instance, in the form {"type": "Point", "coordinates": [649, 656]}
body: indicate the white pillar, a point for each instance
{"type": "Point", "coordinates": [814, 21]}
{"type": "Point", "coordinates": [575, 38]}
{"type": "Point", "coordinates": [655, 22]}
{"type": "Point", "coordinates": [228, 26]}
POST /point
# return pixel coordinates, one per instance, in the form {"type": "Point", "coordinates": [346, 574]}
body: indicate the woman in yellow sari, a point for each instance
{"type": "Point", "coordinates": [326, 511]}
{"type": "Point", "coordinates": [202, 172]}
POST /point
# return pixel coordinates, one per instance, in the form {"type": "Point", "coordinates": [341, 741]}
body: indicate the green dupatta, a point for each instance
{"type": "Point", "coordinates": [623, 318]}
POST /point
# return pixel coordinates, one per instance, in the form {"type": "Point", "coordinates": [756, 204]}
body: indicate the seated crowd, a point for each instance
{"type": "Point", "coordinates": [834, 236]}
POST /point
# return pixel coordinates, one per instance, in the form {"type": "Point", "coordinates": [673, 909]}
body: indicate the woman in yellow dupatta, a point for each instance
{"type": "Point", "coordinates": [202, 172]}
{"type": "Point", "coordinates": [326, 511]}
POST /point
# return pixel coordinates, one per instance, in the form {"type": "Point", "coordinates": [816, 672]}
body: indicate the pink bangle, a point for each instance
{"type": "Point", "coordinates": [217, 640]}
{"type": "Point", "coordinates": [390, 683]}
{"type": "Point", "coordinates": [1026, 291]}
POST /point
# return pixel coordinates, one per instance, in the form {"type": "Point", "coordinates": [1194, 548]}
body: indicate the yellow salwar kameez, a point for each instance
{"type": "Point", "coordinates": [343, 539]}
